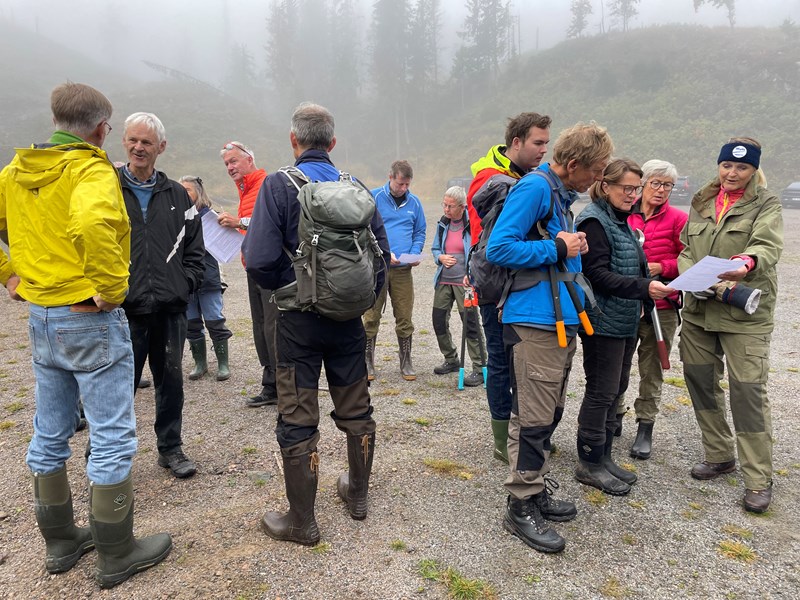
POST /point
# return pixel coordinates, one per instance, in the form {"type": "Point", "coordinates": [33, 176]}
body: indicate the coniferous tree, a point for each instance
{"type": "Point", "coordinates": [281, 42]}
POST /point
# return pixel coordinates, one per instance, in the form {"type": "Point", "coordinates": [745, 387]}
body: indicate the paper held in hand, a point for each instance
{"type": "Point", "coordinates": [223, 243]}
{"type": "Point", "coordinates": [702, 275]}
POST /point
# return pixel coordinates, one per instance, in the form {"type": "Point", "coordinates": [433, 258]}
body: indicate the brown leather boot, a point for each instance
{"type": "Point", "coordinates": [353, 486]}
{"type": "Point", "coordinates": [757, 501]}
{"type": "Point", "coordinates": [299, 524]}
{"type": "Point", "coordinates": [406, 368]}
{"type": "Point", "coordinates": [709, 470]}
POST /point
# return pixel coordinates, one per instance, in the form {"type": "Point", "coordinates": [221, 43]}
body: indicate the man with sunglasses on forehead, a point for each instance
{"type": "Point", "coordinates": [240, 163]}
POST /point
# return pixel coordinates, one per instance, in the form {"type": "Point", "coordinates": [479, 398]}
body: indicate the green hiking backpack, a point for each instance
{"type": "Point", "coordinates": [338, 257]}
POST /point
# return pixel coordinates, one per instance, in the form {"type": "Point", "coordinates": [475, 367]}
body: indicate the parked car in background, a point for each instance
{"type": "Point", "coordinates": [683, 191]}
{"type": "Point", "coordinates": [462, 181]}
{"type": "Point", "coordinates": [790, 197]}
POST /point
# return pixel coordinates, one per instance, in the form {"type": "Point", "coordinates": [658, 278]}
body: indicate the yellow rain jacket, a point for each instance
{"type": "Point", "coordinates": [68, 230]}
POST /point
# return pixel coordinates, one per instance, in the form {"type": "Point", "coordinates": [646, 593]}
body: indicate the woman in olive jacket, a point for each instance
{"type": "Point", "coordinates": [733, 216]}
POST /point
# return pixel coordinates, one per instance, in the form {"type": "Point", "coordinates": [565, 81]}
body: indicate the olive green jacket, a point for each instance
{"type": "Point", "coordinates": [752, 226]}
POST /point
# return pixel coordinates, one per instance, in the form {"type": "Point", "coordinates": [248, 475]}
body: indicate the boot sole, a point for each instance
{"type": "Point", "coordinates": [639, 455]}
{"type": "Point", "coordinates": [193, 377]}
{"type": "Point", "coordinates": [410, 377]}
{"type": "Point", "coordinates": [602, 489]}
{"type": "Point", "coordinates": [62, 564]}
{"type": "Point", "coordinates": [109, 581]}
{"type": "Point", "coordinates": [713, 476]}
{"type": "Point", "coordinates": [510, 528]}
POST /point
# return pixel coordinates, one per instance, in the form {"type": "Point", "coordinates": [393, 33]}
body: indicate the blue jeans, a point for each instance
{"type": "Point", "coordinates": [206, 306]}
{"type": "Point", "coordinates": [82, 356]}
{"type": "Point", "coordinates": [498, 376]}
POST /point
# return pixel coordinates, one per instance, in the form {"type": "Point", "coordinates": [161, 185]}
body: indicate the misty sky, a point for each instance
{"type": "Point", "coordinates": [193, 35]}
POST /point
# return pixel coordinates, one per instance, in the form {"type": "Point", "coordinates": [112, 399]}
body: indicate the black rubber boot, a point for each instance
{"type": "Point", "coordinates": [299, 524]}
{"type": "Point", "coordinates": [643, 444]}
{"type": "Point", "coordinates": [221, 351]}
{"type": "Point", "coordinates": [618, 428]}
{"type": "Point", "coordinates": [198, 348]}
{"type": "Point", "coordinates": [524, 520]}
{"type": "Point", "coordinates": [353, 486]}
{"type": "Point", "coordinates": [65, 543]}
{"type": "Point", "coordinates": [628, 477]}
{"type": "Point", "coordinates": [369, 357]}
{"type": "Point", "coordinates": [591, 471]}
{"type": "Point", "coordinates": [119, 554]}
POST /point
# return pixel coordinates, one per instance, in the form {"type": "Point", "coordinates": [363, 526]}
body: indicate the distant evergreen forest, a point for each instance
{"type": "Point", "coordinates": [672, 92]}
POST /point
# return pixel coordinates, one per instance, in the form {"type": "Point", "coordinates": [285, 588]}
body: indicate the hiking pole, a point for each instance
{"type": "Point", "coordinates": [481, 346]}
{"type": "Point", "coordinates": [467, 304]}
{"type": "Point", "coordinates": [663, 355]}
{"type": "Point", "coordinates": [561, 331]}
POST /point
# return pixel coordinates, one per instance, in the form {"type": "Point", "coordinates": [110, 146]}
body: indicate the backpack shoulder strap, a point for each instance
{"type": "Point", "coordinates": [294, 176]}
{"type": "Point", "coordinates": [541, 224]}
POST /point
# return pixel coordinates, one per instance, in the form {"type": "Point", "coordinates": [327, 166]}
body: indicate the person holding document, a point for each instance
{"type": "Point", "coordinates": [733, 216]}
{"type": "Point", "coordinates": [205, 303]}
{"type": "Point", "coordinates": [617, 269]}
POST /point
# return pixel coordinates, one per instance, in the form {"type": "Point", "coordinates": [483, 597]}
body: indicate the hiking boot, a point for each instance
{"type": "Point", "coordinates": [369, 357]}
{"type": "Point", "coordinates": [52, 501]}
{"type": "Point", "coordinates": [177, 462]}
{"type": "Point", "coordinates": [643, 444]}
{"type": "Point", "coordinates": [144, 383]}
{"type": "Point", "coordinates": [474, 379]}
{"type": "Point", "coordinates": [120, 555]}
{"type": "Point", "coordinates": [353, 486]}
{"type": "Point", "coordinates": [265, 398]}
{"type": "Point", "coordinates": [757, 501]}
{"type": "Point", "coordinates": [198, 348]}
{"type": "Point", "coordinates": [406, 367]}
{"type": "Point", "coordinates": [524, 520]}
{"type": "Point", "coordinates": [221, 352]}
{"type": "Point", "coordinates": [552, 509]}
{"type": "Point", "coordinates": [709, 470]}
{"type": "Point", "coordinates": [446, 367]}
{"type": "Point", "coordinates": [500, 435]}
{"type": "Point", "coordinates": [298, 524]}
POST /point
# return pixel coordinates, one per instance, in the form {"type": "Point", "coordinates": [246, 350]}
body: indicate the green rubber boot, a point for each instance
{"type": "Point", "coordinates": [221, 350]}
{"type": "Point", "coordinates": [200, 361]}
{"type": "Point", "coordinates": [500, 433]}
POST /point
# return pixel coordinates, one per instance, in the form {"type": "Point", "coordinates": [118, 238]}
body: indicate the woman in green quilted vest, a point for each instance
{"type": "Point", "coordinates": [617, 269]}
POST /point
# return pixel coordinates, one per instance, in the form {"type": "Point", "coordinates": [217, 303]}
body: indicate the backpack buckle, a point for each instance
{"type": "Point", "coordinates": [315, 239]}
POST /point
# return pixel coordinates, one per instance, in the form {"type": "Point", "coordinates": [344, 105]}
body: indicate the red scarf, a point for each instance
{"type": "Point", "coordinates": [725, 200]}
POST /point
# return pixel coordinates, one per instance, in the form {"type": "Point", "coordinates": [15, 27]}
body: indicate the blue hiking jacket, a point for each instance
{"type": "Point", "coordinates": [405, 224]}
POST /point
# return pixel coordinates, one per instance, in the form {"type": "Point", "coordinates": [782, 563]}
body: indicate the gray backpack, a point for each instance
{"type": "Point", "coordinates": [338, 257]}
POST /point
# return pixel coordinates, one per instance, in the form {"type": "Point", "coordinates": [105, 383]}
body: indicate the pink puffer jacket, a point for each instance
{"type": "Point", "coordinates": [661, 240]}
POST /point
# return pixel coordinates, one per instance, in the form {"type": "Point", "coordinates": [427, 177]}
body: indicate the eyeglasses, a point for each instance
{"type": "Point", "coordinates": [109, 130]}
{"type": "Point", "coordinates": [628, 190]}
{"type": "Point", "coordinates": [657, 185]}
{"type": "Point", "coordinates": [450, 206]}
{"type": "Point", "coordinates": [242, 147]}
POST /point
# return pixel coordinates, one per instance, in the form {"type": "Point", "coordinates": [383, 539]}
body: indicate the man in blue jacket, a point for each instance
{"type": "Point", "coordinates": [305, 340]}
{"type": "Point", "coordinates": [405, 227]}
{"type": "Point", "coordinates": [540, 364]}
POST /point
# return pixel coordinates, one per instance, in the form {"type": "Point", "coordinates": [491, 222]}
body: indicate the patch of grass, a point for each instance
{"type": "Point", "coordinates": [612, 588]}
{"type": "Point", "coordinates": [439, 384]}
{"type": "Point", "coordinates": [424, 332]}
{"type": "Point", "coordinates": [322, 548]}
{"type": "Point", "coordinates": [447, 467]}
{"type": "Point", "coordinates": [390, 392]}
{"type": "Point", "coordinates": [724, 385]}
{"type": "Point", "coordinates": [7, 425]}
{"type": "Point", "coordinates": [629, 467]}
{"type": "Point", "coordinates": [669, 407]}
{"type": "Point", "coordinates": [782, 472]}
{"type": "Point", "coordinates": [637, 504]}
{"type": "Point", "coordinates": [672, 562]}
{"type": "Point", "coordinates": [695, 506]}
{"type": "Point", "coordinates": [13, 407]}
{"type": "Point", "coordinates": [736, 531]}
{"type": "Point", "coordinates": [796, 465]}
{"type": "Point", "coordinates": [458, 586]}
{"type": "Point", "coordinates": [596, 497]}
{"type": "Point", "coordinates": [260, 482]}
{"type": "Point", "coordinates": [793, 370]}
{"type": "Point", "coordinates": [684, 400]}
{"type": "Point", "coordinates": [676, 381]}
{"type": "Point", "coordinates": [11, 361]}
{"type": "Point", "coordinates": [398, 545]}
{"type": "Point", "coordinates": [531, 579]}
{"type": "Point", "coordinates": [629, 538]}
{"type": "Point", "coordinates": [249, 450]}
{"type": "Point", "coordinates": [408, 401]}
{"type": "Point", "coordinates": [21, 346]}
{"type": "Point", "coordinates": [689, 515]}
{"type": "Point", "coordinates": [388, 358]}
{"type": "Point", "coordinates": [737, 551]}
{"type": "Point", "coordinates": [422, 421]}
{"type": "Point", "coordinates": [731, 481]}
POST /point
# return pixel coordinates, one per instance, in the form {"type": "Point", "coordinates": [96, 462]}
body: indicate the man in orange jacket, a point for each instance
{"type": "Point", "coordinates": [241, 165]}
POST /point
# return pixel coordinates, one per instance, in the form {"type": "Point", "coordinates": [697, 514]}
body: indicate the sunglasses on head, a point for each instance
{"type": "Point", "coordinates": [232, 145]}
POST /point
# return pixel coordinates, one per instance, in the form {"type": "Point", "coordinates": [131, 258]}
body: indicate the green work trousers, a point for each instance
{"type": "Point", "coordinates": [747, 360]}
{"type": "Point", "coordinates": [651, 377]}
{"type": "Point", "coordinates": [443, 298]}
{"type": "Point", "coordinates": [400, 286]}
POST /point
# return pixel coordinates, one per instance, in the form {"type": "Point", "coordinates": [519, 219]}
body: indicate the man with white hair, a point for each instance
{"type": "Point", "coordinates": [166, 266]}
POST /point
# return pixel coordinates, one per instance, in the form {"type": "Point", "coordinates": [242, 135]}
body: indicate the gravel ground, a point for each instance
{"type": "Point", "coordinates": [662, 540]}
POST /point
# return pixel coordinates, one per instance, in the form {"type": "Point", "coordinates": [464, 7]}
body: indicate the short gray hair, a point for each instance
{"type": "Point", "coordinates": [312, 126]}
{"type": "Point", "coordinates": [78, 108]}
{"type": "Point", "coordinates": [203, 201]}
{"type": "Point", "coordinates": [237, 146]}
{"type": "Point", "coordinates": [458, 194]}
{"type": "Point", "coordinates": [659, 168]}
{"type": "Point", "coordinates": [149, 119]}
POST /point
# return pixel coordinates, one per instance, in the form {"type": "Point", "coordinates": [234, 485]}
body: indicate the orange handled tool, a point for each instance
{"type": "Point", "coordinates": [561, 330]}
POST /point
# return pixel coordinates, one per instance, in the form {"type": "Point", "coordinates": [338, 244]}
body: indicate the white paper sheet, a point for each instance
{"type": "Point", "coordinates": [407, 259]}
{"type": "Point", "coordinates": [702, 275]}
{"type": "Point", "coordinates": [223, 243]}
